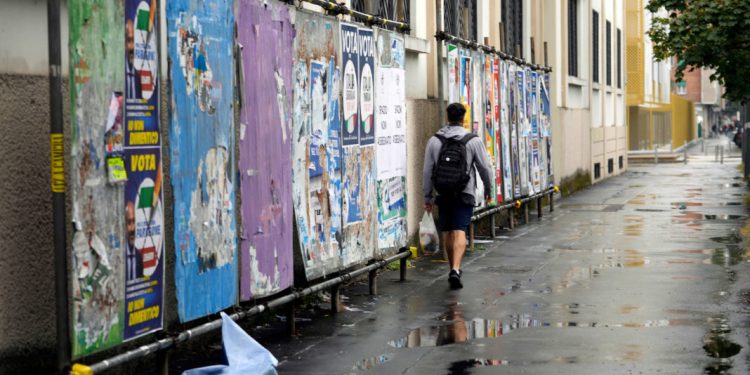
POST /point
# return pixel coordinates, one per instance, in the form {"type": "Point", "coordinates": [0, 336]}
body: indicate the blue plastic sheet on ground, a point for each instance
{"type": "Point", "coordinates": [244, 354]}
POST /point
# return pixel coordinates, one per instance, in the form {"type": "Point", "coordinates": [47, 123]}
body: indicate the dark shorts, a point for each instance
{"type": "Point", "coordinates": [454, 215]}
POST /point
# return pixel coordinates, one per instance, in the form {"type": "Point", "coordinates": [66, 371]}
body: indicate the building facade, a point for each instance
{"type": "Point", "coordinates": [658, 119]}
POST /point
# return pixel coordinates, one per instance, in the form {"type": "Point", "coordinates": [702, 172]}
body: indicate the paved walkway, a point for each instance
{"type": "Point", "coordinates": [645, 273]}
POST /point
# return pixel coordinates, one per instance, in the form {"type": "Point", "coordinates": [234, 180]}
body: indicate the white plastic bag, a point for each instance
{"type": "Point", "coordinates": [428, 235]}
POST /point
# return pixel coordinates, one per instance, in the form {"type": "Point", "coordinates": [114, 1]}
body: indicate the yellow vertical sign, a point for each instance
{"type": "Point", "coordinates": [57, 162]}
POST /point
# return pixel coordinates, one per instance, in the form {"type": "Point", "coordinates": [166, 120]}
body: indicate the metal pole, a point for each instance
{"type": "Point", "coordinates": [402, 268]}
{"type": "Point", "coordinates": [471, 236]}
{"type": "Point", "coordinates": [492, 225]}
{"type": "Point", "coordinates": [552, 202]}
{"type": "Point", "coordinates": [539, 208]}
{"type": "Point", "coordinates": [746, 147]}
{"type": "Point", "coordinates": [721, 152]}
{"type": "Point", "coordinates": [57, 169]}
{"type": "Point", "coordinates": [525, 213]}
{"type": "Point", "coordinates": [684, 152]}
{"type": "Point", "coordinates": [656, 154]}
{"type": "Point", "coordinates": [291, 325]}
{"type": "Point", "coordinates": [439, 27]}
{"type": "Point", "coordinates": [336, 306]}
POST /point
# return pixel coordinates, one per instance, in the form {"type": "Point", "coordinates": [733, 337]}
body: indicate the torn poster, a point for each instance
{"type": "Point", "coordinates": [316, 143]}
{"type": "Point", "coordinates": [547, 127]}
{"type": "Point", "coordinates": [477, 115]}
{"type": "Point", "coordinates": [515, 116]}
{"type": "Point", "coordinates": [390, 117]}
{"type": "Point", "coordinates": [500, 195]}
{"type": "Point", "coordinates": [200, 44]}
{"type": "Point", "coordinates": [465, 84]}
{"type": "Point", "coordinates": [144, 209]}
{"type": "Point", "coordinates": [266, 36]}
{"type": "Point", "coordinates": [359, 182]}
{"type": "Point", "coordinates": [97, 51]}
{"type": "Point", "coordinates": [523, 130]}
{"type": "Point", "coordinates": [505, 120]}
{"type": "Point", "coordinates": [533, 111]}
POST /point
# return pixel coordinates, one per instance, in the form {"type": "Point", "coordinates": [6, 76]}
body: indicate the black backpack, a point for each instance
{"type": "Point", "coordinates": [450, 174]}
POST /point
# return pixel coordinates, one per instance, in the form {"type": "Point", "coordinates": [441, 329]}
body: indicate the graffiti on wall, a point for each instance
{"type": "Point", "coordinates": [390, 97]}
{"type": "Point", "coordinates": [98, 201]}
{"type": "Point", "coordinates": [316, 142]}
{"type": "Point", "coordinates": [265, 137]}
{"type": "Point", "coordinates": [200, 44]}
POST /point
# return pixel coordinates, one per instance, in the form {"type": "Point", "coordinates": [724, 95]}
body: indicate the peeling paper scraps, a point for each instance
{"type": "Point", "coordinates": [191, 49]}
{"type": "Point", "coordinates": [262, 284]}
{"type": "Point", "coordinates": [281, 102]}
{"type": "Point", "coordinates": [211, 211]}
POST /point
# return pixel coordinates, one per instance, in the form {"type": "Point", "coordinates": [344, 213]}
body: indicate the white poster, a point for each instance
{"type": "Point", "coordinates": [391, 122]}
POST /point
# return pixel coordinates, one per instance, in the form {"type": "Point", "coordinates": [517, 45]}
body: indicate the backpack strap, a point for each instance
{"type": "Point", "coordinates": [467, 138]}
{"type": "Point", "coordinates": [440, 138]}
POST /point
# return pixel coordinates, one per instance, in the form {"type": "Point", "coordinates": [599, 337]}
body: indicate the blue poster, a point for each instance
{"type": "Point", "coordinates": [318, 104]}
{"type": "Point", "coordinates": [350, 93]}
{"type": "Point", "coordinates": [366, 76]}
{"type": "Point", "coordinates": [144, 212]}
{"type": "Point", "coordinates": [203, 168]}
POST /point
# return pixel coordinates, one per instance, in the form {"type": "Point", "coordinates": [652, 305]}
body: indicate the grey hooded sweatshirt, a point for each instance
{"type": "Point", "coordinates": [476, 155]}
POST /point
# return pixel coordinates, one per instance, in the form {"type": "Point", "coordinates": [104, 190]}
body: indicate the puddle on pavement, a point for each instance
{"type": "Point", "coordinates": [369, 363]}
{"type": "Point", "coordinates": [463, 331]}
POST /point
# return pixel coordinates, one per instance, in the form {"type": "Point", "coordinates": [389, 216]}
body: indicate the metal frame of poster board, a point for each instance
{"type": "Point", "coordinates": [390, 119]}
{"type": "Point", "coordinates": [265, 147]}
{"type": "Point", "coordinates": [202, 150]}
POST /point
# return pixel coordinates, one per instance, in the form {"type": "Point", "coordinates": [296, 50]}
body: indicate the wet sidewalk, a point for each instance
{"type": "Point", "coordinates": [644, 273]}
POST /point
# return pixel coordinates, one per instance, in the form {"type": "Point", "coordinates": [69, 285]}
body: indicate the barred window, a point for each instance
{"type": "Point", "coordinates": [460, 18]}
{"type": "Point", "coordinates": [619, 58]}
{"type": "Point", "coordinates": [609, 53]}
{"type": "Point", "coordinates": [573, 38]}
{"type": "Point", "coordinates": [595, 43]}
{"type": "Point", "coordinates": [394, 10]}
{"type": "Point", "coordinates": [512, 18]}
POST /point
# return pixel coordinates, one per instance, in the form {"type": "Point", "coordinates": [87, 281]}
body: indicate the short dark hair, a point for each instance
{"type": "Point", "coordinates": [456, 112]}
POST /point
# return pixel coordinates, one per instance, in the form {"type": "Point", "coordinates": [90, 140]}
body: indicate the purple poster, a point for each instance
{"type": "Point", "coordinates": [144, 212]}
{"type": "Point", "coordinates": [266, 35]}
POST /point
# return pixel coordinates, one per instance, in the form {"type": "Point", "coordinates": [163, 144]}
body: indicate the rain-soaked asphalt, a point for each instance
{"type": "Point", "coordinates": [645, 273]}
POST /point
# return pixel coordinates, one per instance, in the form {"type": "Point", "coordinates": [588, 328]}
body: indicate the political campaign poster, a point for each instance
{"type": "Point", "coordinates": [144, 208]}
{"type": "Point", "coordinates": [97, 175]}
{"type": "Point", "coordinates": [267, 38]}
{"type": "Point", "coordinates": [465, 86]}
{"type": "Point", "coordinates": [488, 122]}
{"type": "Point", "coordinates": [366, 76]}
{"type": "Point", "coordinates": [316, 143]}
{"type": "Point", "coordinates": [547, 127]}
{"type": "Point", "coordinates": [203, 168]}
{"type": "Point", "coordinates": [351, 81]}
{"type": "Point", "coordinates": [454, 74]}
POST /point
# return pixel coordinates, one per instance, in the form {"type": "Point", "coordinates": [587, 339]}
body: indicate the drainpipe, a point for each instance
{"type": "Point", "coordinates": [57, 169]}
{"type": "Point", "coordinates": [439, 51]}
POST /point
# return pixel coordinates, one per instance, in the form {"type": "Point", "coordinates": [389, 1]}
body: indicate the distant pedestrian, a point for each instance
{"type": "Point", "coordinates": [451, 157]}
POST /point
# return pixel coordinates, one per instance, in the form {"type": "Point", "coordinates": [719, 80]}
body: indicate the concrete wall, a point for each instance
{"type": "Point", "coordinates": [27, 289]}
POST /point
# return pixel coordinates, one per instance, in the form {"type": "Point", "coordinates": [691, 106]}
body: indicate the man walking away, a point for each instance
{"type": "Point", "coordinates": [449, 162]}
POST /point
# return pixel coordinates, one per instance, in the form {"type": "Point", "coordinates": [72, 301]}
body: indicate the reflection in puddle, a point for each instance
{"type": "Point", "coordinates": [634, 225]}
{"type": "Point", "coordinates": [461, 331]}
{"type": "Point", "coordinates": [369, 363]}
